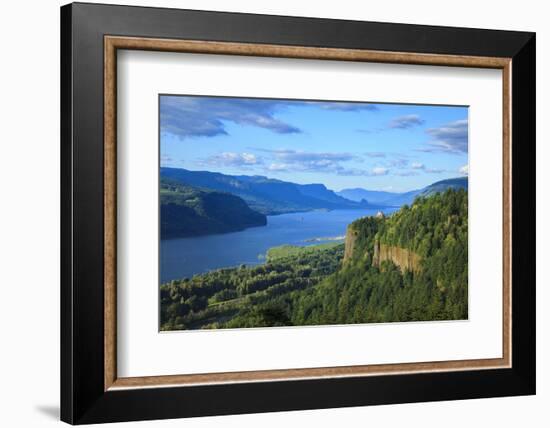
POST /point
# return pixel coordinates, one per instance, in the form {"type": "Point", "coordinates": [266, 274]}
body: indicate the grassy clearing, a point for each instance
{"type": "Point", "coordinates": [284, 251]}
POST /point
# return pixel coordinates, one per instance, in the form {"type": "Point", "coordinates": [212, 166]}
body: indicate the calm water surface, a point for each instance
{"type": "Point", "coordinates": [185, 257]}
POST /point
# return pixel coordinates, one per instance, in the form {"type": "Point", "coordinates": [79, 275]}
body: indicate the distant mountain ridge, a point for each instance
{"type": "Point", "coordinates": [265, 195]}
{"type": "Point", "coordinates": [397, 199]}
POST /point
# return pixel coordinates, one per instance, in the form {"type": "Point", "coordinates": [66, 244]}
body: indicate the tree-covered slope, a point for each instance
{"type": "Point", "coordinates": [435, 229]}
{"type": "Point", "coordinates": [316, 286]}
{"type": "Point", "coordinates": [246, 296]}
{"type": "Point", "coordinates": [186, 211]}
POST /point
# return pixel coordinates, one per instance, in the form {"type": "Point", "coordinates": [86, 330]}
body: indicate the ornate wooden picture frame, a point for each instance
{"type": "Point", "coordinates": [91, 389]}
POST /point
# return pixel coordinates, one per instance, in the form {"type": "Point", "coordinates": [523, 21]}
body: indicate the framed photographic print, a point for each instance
{"type": "Point", "coordinates": [266, 213]}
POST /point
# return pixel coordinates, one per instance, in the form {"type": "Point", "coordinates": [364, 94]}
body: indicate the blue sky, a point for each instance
{"type": "Point", "coordinates": [393, 147]}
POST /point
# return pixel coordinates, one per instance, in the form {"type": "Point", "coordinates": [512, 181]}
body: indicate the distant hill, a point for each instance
{"type": "Point", "coordinates": [443, 185]}
{"type": "Point", "coordinates": [358, 194]}
{"type": "Point", "coordinates": [398, 199]}
{"type": "Point", "coordinates": [265, 195]}
{"type": "Point", "coordinates": [380, 197]}
{"type": "Point", "coordinates": [186, 211]}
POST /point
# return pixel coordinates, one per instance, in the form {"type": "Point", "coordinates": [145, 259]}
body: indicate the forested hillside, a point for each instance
{"type": "Point", "coordinates": [315, 285]}
{"type": "Point", "coordinates": [246, 296]}
{"type": "Point", "coordinates": [436, 229]}
{"type": "Point", "coordinates": [186, 211]}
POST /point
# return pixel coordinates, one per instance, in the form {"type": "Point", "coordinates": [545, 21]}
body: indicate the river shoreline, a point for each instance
{"type": "Point", "coordinates": [184, 257]}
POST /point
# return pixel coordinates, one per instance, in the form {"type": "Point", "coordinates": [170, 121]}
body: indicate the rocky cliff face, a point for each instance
{"type": "Point", "coordinates": [402, 257]}
{"type": "Point", "coordinates": [351, 238]}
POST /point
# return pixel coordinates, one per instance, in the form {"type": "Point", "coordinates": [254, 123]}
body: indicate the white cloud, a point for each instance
{"type": "Point", "coordinates": [380, 171]}
{"type": "Point", "coordinates": [249, 158]}
{"type": "Point", "coordinates": [406, 173]}
{"type": "Point", "coordinates": [451, 137]}
{"type": "Point", "coordinates": [463, 169]}
{"type": "Point", "coordinates": [277, 167]}
{"type": "Point", "coordinates": [188, 116]}
{"type": "Point", "coordinates": [406, 122]}
{"type": "Point", "coordinates": [233, 159]}
{"type": "Point", "coordinates": [434, 170]}
{"type": "Point", "coordinates": [375, 154]}
{"type": "Point", "coordinates": [421, 167]}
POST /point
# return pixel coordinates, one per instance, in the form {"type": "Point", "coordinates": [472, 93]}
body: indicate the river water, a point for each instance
{"type": "Point", "coordinates": [185, 257]}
